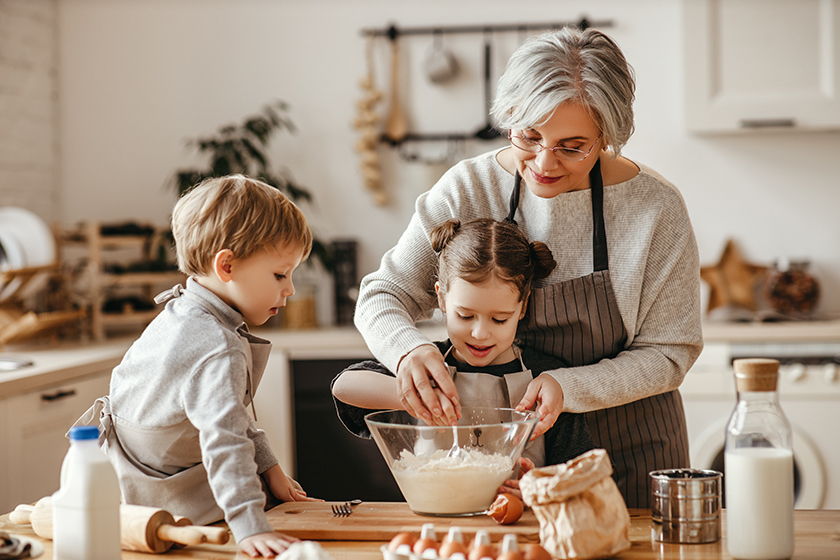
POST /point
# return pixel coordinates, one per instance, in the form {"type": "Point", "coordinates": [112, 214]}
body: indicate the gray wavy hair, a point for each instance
{"type": "Point", "coordinates": [568, 65]}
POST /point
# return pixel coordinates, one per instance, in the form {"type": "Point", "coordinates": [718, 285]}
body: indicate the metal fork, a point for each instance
{"type": "Point", "coordinates": [345, 509]}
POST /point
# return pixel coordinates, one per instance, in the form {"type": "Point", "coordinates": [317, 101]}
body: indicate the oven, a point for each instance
{"type": "Point", "coordinates": [809, 394]}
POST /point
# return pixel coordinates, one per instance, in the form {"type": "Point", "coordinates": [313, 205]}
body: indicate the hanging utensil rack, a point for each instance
{"type": "Point", "coordinates": [393, 32]}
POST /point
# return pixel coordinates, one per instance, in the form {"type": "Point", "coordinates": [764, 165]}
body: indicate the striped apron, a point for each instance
{"type": "Point", "coordinates": [579, 321]}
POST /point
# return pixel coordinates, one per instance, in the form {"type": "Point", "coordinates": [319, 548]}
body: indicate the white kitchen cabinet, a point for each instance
{"type": "Point", "coordinates": [32, 428]}
{"type": "Point", "coordinates": [761, 64]}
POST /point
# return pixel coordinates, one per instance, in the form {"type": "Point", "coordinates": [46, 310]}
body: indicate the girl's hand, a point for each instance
{"type": "Point", "coordinates": [267, 545]}
{"type": "Point", "coordinates": [423, 383]}
{"type": "Point", "coordinates": [512, 486]}
{"type": "Point", "coordinates": [545, 395]}
{"type": "Point", "coordinates": [284, 487]}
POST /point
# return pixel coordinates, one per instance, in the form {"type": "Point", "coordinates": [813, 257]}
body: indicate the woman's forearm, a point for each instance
{"type": "Point", "coordinates": [367, 389]}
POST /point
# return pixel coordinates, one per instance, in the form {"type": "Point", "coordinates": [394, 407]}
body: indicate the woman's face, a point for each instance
{"type": "Point", "coordinates": [548, 174]}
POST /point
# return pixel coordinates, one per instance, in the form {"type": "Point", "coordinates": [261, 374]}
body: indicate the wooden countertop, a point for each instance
{"type": "Point", "coordinates": [817, 537]}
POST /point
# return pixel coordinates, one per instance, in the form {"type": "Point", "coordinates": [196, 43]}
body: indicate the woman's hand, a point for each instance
{"type": "Point", "coordinates": [424, 384]}
{"type": "Point", "coordinates": [545, 395]}
{"type": "Point", "coordinates": [284, 487]}
{"type": "Point", "coordinates": [512, 486]}
{"type": "Point", "coordinates": [267, 545]}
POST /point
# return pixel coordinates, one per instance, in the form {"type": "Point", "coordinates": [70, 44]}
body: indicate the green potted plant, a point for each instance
{"type": "Point", "coordinates": [243, 148]}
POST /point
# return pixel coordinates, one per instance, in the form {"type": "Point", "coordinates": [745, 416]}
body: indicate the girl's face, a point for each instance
{"type": "Point", "coordinates": [548, 174]}
{"type": "Point", "coordinates": [481, 319]}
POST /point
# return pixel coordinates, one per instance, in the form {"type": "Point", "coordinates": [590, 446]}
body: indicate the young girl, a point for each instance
{"type": "Point", "coordinates": [485, 272]}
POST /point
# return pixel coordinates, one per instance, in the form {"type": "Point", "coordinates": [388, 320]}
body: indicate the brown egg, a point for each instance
{"type": "Point", "coordinates": [422, 545]}
{"type": "Point", "coordinates": [512, 555]}
{"type": "Point", "coordinates": [450, 548]}
{"type": "Point", "coordinates": [483, 551]}
{"type": "Point", "coordinates": [506, 509]}
{"type": "Point", "coordinates": [481, 547]}
{"type": "Point", "coordinates": [532, 551]}
{"type": "Point", "coordinates": [404, 540]}
{"type": "Point", "coordinates": [453, 543]}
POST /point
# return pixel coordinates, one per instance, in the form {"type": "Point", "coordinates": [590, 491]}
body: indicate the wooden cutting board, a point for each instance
{"type": "Point", "coordinates": [380, 521]}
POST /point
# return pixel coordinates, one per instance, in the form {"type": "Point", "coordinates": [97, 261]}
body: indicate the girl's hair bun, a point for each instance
{"type": "Point", "coordinates": [542, 258]}
{"type": "Point", "coordinates": [441, 235]}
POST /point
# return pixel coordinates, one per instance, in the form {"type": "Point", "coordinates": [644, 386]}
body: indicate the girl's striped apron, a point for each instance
{"type": "Point", "coordinates": [579, 321]}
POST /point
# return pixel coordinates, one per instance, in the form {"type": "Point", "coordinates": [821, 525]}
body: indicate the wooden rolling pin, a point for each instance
{"type": "Point", "coordinates": [144, 529]}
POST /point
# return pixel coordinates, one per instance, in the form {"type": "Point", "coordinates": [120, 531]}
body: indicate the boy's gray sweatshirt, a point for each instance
{"type": "Point", "coordinates": [191, 366]}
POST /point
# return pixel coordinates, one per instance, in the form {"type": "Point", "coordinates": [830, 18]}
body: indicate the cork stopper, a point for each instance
{"type": "Point", "coordinates": [756, 374]}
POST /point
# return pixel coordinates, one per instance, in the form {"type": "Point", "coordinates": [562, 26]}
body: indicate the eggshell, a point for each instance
{"type": "Point", "coordinates": [448, 548]}
{"type": "Point", "coordinates": [422, 545]}
{"type": "Point", "coordinates": [482, 551]}
{"type": "Point", "coordinates": [506, 509]}
{"type": "Point", "coordinates": [512, 555]}
{"type": "Point", "coordinates": [402, 540]}
{"type": "Point", "coordinates": [532, 551]}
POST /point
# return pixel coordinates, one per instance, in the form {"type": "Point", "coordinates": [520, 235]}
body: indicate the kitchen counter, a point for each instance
{"type": "Point", "coordinates": [781, 332]}
{"type": "Point", "coordinates": [817, 536]}
{"type": "Point", "coordinates": [60, 363]}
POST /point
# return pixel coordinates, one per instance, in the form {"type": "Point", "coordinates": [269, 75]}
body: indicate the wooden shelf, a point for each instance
{"type": "Point", "coordinates": [130, 318]}
{"type": "Point", "coordinates": [109, 241]}
{"type": "Point", "coordinates": [143, 278]}
{"type": "Point", "coordinates": [98, 246]}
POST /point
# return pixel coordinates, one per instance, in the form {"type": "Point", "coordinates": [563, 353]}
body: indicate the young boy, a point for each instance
{"type": "Point", "coordinates": [176, 423]}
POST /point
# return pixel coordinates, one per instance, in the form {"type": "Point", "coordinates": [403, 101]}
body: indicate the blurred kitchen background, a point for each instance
{"type": "Point", "coordinates": [737, 104]}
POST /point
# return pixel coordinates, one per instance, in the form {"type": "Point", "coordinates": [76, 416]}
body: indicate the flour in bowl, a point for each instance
{"type": "Point", "coordinates": [464, 483]}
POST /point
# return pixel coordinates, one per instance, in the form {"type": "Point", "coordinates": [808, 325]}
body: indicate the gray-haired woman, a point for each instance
{"type": "Point", "coordinates": [622, 306]}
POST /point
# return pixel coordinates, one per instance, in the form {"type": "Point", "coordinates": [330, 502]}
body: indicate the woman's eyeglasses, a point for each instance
{"type": "Point", "coordinates": [561, 152]}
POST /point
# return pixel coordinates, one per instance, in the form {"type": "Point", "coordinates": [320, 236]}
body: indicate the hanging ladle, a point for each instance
{"type": "Point", "coordinates": [488, 131]}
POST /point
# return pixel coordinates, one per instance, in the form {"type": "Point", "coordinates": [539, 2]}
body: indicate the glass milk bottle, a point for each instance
{"type": "Point", "coordinates": [759, 467]}
{"type": "Point", "coordinates": [86, 509]}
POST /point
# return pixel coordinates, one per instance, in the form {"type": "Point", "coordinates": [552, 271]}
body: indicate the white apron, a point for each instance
{"type": "Point", "coordinates": [183, 490]}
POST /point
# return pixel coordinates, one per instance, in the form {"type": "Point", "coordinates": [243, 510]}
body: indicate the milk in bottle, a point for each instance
{"type": "Point", "coordinates": [758, 464]}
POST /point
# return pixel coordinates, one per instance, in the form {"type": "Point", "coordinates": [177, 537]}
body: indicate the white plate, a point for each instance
{"type": "Point", "coordinates": [14, 259]}
{"type": "Point", "coordinates": [36, 238]}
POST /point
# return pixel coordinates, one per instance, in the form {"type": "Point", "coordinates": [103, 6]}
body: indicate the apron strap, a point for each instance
{"type": "Point", "coordinates": [514, 198]}
{"type": "Point", "coordinates": [600, 259]}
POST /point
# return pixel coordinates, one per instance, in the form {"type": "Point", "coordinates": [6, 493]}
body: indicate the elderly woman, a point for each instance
{"type": "Point", "coordinates": [622, 306]}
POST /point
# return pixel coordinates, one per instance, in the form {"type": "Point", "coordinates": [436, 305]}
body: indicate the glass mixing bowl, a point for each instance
{"type": "Point", "coordinates": [452, 470]}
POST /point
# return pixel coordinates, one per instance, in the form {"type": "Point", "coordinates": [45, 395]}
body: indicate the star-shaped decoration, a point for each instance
{"type": "Point", "coordinates": [732, 281]}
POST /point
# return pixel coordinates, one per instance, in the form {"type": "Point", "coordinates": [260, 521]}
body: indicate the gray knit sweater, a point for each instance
{"type": "Point", "coordinates": [653, 263]}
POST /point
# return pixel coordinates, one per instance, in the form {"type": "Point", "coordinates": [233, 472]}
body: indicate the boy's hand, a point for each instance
{"type": "Point", "coordinates": [546, 394]}
{"type": "Point", "coordinates": [267, 545]}
{"type": "Point", "coordinates": [512, 486]}
{"type": "Point", "coordinates": [284, 487]}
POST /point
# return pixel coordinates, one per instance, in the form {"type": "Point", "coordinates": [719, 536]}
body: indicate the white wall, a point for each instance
{"type": "Point", "coordinates": [137, 77]}
{"type": "Point", "coordinates": [28, 106]}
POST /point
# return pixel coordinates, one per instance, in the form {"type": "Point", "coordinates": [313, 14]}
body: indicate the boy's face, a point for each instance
{"type": "Point", "coordinates": [481, 320]}
{"type": "Point", "coordinates": [261, 283]}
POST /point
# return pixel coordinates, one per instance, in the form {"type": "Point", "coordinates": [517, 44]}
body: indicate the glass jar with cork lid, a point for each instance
{"type": "Point", "coordinates": [759, 466]}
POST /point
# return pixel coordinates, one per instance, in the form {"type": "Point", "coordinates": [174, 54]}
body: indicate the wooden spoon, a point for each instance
{"type": "Point", "coordinates": [396, 123]}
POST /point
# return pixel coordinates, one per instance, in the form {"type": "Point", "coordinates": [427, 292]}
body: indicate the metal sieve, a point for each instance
{"type": "Point", "coordinates": [685, 505]}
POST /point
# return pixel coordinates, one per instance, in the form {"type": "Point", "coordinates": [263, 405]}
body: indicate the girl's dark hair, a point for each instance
{"type": "Point", "coordinates": [480, 248]}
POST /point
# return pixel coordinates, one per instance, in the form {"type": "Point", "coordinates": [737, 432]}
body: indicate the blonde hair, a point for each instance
{"type": "Point", "coordinates": [475, 250]}
{"type": "Point", "coordinates": [568, 65]}
{"type": "Point", "coordinates": [237, 213]}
